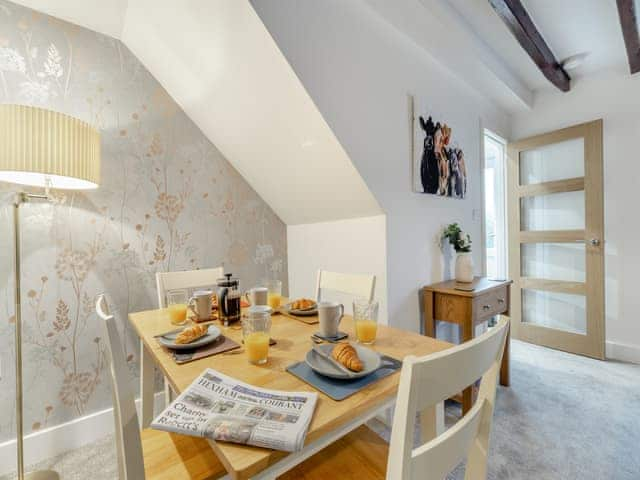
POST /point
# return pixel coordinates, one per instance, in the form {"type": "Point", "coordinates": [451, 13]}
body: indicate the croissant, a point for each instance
{"type": "Point", "coordinates": [303, 304]}
{"type": "Point", "coordinates": [347, 356]}
{"type": "Point", "coordinates": [190, 334]}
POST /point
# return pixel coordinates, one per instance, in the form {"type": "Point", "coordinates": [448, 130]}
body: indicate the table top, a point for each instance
{"type": "Point", "coordinates": [480, 285]}
{"type": "Point", "coordinates": [293, 342]}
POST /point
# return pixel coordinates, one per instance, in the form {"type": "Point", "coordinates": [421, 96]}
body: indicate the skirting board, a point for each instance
{"type": "Point", "coordinates": [623, 352]}
{"type": "Point", "coordinates": [54, 441]}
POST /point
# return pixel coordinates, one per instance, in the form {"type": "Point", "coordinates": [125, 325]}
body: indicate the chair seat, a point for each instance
{"type": "Point", "coordinates": [360, 455]}
{"type": "Point", "coordinates": [169, 456]}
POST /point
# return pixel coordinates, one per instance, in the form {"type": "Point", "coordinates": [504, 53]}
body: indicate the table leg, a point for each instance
{"type": "Point", "coordinates": [386, 417]}
{"type": "Point", "coordinates": [467, 393]}
{"type": "Point", "coordinates": [429, 314]}
{"type": "Point", "coordinates": [505, 372]}
{"type": "Point", "coordinates": [432, 422]}
{"type": "Point", "coordinates": [168, 393]}
{"type": "Point", "coordinates": [147, 380]}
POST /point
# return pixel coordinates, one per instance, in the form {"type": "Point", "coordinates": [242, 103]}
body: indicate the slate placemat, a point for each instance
{"type": "Point", "coordinates": [220, 345]}
{"type": "Point", "coordinates": [341, 389]}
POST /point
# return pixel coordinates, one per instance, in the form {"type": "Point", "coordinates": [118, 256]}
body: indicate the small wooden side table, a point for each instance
{"type": "Point", "coordinates": [442, 301]}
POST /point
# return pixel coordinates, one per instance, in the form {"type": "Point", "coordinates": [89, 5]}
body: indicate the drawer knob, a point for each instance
{"type": "Point", "coordinates": [501, 301]}
{"type": "Point", "coordinates": [486, 307]}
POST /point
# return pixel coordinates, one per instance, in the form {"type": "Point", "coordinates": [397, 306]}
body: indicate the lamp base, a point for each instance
{"type": "Point", "coordinates": [42, 475]}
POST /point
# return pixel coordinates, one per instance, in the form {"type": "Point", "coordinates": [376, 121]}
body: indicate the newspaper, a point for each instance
{"type": "Point", "coordinates": [224, 409]}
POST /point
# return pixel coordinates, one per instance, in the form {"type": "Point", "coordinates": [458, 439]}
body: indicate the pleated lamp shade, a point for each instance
{"type": "Point", "coordinates": [43, 148]}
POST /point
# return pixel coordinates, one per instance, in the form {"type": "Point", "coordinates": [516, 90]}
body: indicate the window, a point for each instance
{"type": "Point", "coordinates": [494, 204]}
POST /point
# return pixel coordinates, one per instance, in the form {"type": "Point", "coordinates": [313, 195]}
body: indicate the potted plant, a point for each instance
{"type": "Point", "coordinates": [461, 242]}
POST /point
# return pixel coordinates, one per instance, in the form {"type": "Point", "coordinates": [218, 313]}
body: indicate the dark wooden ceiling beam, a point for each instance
{"type": "Point", "coordinates": [629, 23]}
{"type": "Point", "coordinates": [516, 18]}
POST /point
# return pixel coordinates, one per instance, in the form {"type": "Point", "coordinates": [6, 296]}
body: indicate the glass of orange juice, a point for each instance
{"type": "Point", "coordinates": [177, 304]}
{"type": "Point", "coordinates": [365, 317]}
{"type": "Point", "coordinates": [256, 330]}
{"type": "Point", "coordinates": [274, 293]}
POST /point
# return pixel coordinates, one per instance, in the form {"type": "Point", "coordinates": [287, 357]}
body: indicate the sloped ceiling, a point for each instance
{"type": "Point", "coordinates": [103, 16]}
{"type": "Point", "coordinates": [218, 61]}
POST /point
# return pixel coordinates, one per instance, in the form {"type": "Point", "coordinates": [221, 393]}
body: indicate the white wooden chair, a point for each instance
{"type": "Point", "coordinates": [188, 280]}
{"type": "Point", "coordinates": [183, 280]}
{"type": "Point", "coordinates": [355, 285]}
{"type": "Point", "coordinates": [148, 454]}
{"type": "Point", "coordinates": [424, 383]}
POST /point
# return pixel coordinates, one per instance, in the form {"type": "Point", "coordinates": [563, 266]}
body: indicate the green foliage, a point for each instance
{"type": "Point", "coordinates": [460, 240]}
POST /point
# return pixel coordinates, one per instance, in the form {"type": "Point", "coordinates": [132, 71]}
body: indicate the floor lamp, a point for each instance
{"type": "Point", "coordinates": [41, 148]}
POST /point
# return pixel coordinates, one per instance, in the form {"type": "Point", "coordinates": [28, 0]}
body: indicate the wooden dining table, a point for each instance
{"type": "Point", "coordinates": [332, 419]}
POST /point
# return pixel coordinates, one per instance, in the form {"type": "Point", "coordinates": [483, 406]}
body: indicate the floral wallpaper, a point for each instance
{"type": "Point", "coordinates": [168, 200]}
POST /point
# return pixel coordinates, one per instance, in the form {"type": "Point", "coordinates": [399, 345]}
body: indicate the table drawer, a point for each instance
{"type": "Point", "coordinates": [491, 303]}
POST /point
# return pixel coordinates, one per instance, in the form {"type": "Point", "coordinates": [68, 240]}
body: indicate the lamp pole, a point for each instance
{"type": "Point", "coordinates": [21, 198]}
{"type": "Point", "coordinates": [41, 148]}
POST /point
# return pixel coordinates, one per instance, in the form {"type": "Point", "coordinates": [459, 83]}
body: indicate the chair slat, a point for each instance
{"type": "Point", "coordinates": [435, 459]}
{"type": "Point", "coordinates": [350, 283]}
{"type": "Point", "coordinates": [451, 371]}
{"type": "Point", "coordinates": [188, 279]}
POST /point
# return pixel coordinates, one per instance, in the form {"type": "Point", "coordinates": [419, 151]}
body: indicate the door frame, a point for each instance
{"type": "Point", "coordinates": [504, 273]}
{"type": "Point", "coordinates": [593, 343]}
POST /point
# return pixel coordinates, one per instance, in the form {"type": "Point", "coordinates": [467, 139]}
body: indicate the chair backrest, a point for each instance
{"type": "Point", "coordinates": [188, 279]}
{"type": "Point", "coordinates": [127, 429]}
{"type": "Point", "coordinates": [353, 284]}
{"type": "Point", "coordinates": [429, 380]}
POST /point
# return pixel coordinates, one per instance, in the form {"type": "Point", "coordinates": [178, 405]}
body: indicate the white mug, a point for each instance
{"type": "Point", "coordinates": [257, 296]}
{"type": "Point", "coordinates": [329, 315]}
{"type": "Point", "coordinates": [200, 304]}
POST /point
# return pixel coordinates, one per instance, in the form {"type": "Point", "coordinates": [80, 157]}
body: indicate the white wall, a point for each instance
{"type": "Point", "coordinates": [358, 69]}
{"type": "Point", "coordinates": [348, 246]}
{"type": "Point", "coordinates": [219, 63]}
{"type": "Point", "coordinates": [614, 97]}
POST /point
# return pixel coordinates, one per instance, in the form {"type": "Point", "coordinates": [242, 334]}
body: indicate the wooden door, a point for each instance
{"type": "Point", "coordinates": [556, 243]}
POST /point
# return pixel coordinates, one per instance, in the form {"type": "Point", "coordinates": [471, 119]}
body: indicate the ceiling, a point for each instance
{"type": "Point", "coordinates": [435, 27]}
{"type": "Point", "coordinates": [229, 76]}
{"type": "Point", "coordinates": [470, 39]}
{"type": "Point", "coordinates": [466, 36]}
{"type": "Point", "coordinates": [568, 26]}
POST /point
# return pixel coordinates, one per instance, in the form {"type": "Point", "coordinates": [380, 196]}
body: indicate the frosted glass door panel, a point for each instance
{"type": "Point", "coordinates": [553, 261]}
{"type": "Point", "coordinates": [557, 211]}
{"type": "Point", "coordinates": [561, 311]}
{"type": "Point", "coordinates": [557, 161]}
{"type": "Point", "coordinates": [556, 239]}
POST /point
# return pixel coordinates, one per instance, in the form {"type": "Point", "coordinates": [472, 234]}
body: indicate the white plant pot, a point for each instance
{"type": "Point", "coordinates": [464, 267]}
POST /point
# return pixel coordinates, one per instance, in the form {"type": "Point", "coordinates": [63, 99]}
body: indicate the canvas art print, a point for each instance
{"type": "Point", "coordinates": [439, 167]}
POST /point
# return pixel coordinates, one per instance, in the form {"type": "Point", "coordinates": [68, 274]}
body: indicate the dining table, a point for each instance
{"type": "Point", "coordinates": [331, 420]}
